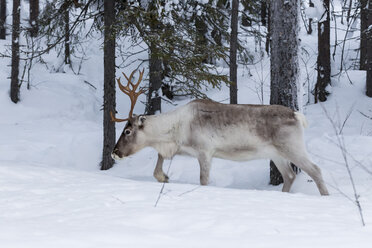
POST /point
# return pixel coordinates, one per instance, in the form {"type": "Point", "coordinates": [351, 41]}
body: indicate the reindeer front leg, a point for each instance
{"type": "Point", "coordinates": [205, 166]}
{"type": "Point", "coordinates": [158, 172]}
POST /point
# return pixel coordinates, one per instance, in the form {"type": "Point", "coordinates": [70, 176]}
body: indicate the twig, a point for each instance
{"type": "Point", "coordinates": [346, 119]}
{"type": "Point", "coordinates": [91, 85]}
{"type": "Point", "coordinates": [168, 101]}
{"type": "Point", "coordinates": [352, 157]}
{"type": "Point", "coordinates": [189, 191]}
{"type": "Point", "coordinates": [369, 117]}
{"type": "Point", "coordinates": [162, 187]}
{"type": "Point", "coordinates": [116, 198]}
{"type": "Point", "coordinates": [342, 145]}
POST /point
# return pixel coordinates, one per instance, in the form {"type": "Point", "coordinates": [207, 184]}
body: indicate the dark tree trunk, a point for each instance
{"type": "Point", "coordinates": [263, 12]}
{"type": "Point", "coordinates": [324, 57]}
{"type": "Point", "coordinates": [233, 51]}
{"type": "Point", "coordinates": [67, 36]}
{"type": "Point", "coordinates": [363, 34]}
{"type": "Point", "coordinates": [310, 30]}
{"type": "Point", "coordinates": [34, 15]}
{"type": "Point", "coordinates": [153, 97]}
{"type": "Point", "coordinates": [14, 83]}
{"type": "Point", "coordinates": [267, 43]}
{"type": "Point", "coordinates": [369, 49]}
{"type": "Point", "coordinates": [109, 103]}
{"type": "Point", "coordinates": [153, 104]}
{"type": "Point", "coordinates": [284, 69]}
{"type": "Point", "coordinates": [2, 19]}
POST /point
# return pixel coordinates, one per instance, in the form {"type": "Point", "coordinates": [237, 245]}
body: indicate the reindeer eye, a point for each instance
{"type": "Point", "coordinates": [127, 132]}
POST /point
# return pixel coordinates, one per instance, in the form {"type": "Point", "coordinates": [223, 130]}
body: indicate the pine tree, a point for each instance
{"type": "Point", "coordinates": [284, 68]}
{"type": "Point", "coordinates": [183, 60]}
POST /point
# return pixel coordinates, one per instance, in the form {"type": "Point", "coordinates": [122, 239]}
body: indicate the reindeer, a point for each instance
{"type": "Point", "coordinates": [205, 129]}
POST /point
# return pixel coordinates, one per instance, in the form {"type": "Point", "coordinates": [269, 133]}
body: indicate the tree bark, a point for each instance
{"type": "Point", "coordinates": [34, 15]}
{"type": "Point", "coordinates": [153, 104]}
{"type": "Point", "coordinates": [310, 30]}
{"type": "Point", "coordinates": [109, 102]}
{"type": "Point", "coordinates": [363, 34]}
{"type": "Point", "coordinates": [369, 49]}
{"type": "Point", "coordinates": [2, 19]}
{"type": "Point", "coordinates": [324, 57]}
{"type": "Point", "coordinates": [263, 12]}
{"type": "Point", "coordinates": [14, 83]}
{"type": "Point", "coordinates": [233, 51]}
{"type": "Point", "coordinates": [267, 43]}
{"type": "Point", "coordinates": [67, 36]}
{"type": "Point", "coordinates": [284, 68]}
{"type": "Point", "coordinates": [155, 81]}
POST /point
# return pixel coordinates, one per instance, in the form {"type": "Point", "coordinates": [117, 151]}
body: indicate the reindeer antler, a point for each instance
{"type": "Point", "coordinates": [131, 92]}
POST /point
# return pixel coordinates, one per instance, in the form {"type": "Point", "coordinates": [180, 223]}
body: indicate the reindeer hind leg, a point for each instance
{"type": "Point", "coordinates": [288, 174]}
{"type": "Point", "coordinates": [302, 161]}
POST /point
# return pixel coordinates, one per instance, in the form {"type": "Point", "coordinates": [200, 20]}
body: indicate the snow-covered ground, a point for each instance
{"type": "Point", "coordinates": [52, 193]}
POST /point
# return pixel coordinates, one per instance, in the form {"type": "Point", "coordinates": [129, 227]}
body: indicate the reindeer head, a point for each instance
{"type": "Point", "coordinates": [130, 140]}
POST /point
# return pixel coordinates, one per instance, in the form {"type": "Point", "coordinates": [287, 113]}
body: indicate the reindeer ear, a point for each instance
{"type": "Point", "coordinates": [141, 120]}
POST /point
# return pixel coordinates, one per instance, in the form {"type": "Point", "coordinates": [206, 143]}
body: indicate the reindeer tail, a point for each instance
{"type": "Point", "coordinates": [302, 119]}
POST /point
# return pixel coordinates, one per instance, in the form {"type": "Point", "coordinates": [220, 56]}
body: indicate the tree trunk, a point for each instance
{"type": "Point", "coordinates": [284, 70]}
{"type": "Point", "coordinates": [153, 97]}
{"type": "Point", "coordinates": [267, 43]}
{"type": "Point", "coordinates": [34, 15]}
{"type": "Point", "coordinates": [67, 36]}
{"type": "Point", "coordinates": [109, 103]}
{"type": "Point", "coordinates": [263, 12]}
{"type": "Point", "coordinates": [14, 83]}
{"type": "Point", "coordinates": [363, 34]}
{"type": "Point", "coordinates": [2, 19]}
{"type": "Point", "coordinates": [153, 104]}
{"type": "Point", "coordinates": [369, 49]}
{"type": "Point", "coordinates": [310, 30]}
{"type": "Point", "coordinates": [233, 50]}
{"type": "Point", "coordinates": [324, 57]}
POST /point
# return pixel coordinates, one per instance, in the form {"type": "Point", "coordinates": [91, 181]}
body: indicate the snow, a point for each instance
{"type": "Point", "coordinates": [63, 208]}
{"type": "Point", "coordinates": [52, 193]}
{"type": "Point", "coordinates": [317, 11]}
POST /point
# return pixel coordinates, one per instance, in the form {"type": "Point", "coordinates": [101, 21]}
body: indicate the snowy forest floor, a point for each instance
{"type": "Point", "coordinates": [52, 193]}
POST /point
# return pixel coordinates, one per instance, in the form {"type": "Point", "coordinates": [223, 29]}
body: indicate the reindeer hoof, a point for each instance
{"type": "Point", "coordinates": [162, 178]}
{"type": "Point", "coordinates": [204, 181]}
{"type": "Point", "coordinates": [166, 179]}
